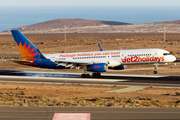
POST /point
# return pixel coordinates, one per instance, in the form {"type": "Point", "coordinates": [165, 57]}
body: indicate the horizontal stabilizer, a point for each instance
{"type": "Point", "coordinates": [14, 60]}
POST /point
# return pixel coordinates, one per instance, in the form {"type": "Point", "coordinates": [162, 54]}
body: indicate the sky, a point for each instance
{"type": "Point", "coordinates": [89, 2]}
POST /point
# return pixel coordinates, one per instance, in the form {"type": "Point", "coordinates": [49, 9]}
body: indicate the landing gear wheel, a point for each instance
{"type": "Point", "coordinates": [155, 72]}
{"type": "Point", "coordinates": [87, 75]}
{"type": "Point", "coordinates": [155, 68]}
{"type": "Point", "coordinates": [93, 74]}
{"type": "Point", "coordinates": [83, 75]}
{"type": "Point", "coordinates": [96, 74]}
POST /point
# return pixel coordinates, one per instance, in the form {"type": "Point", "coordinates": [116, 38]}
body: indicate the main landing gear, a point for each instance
{"type": "Point", "coordinates": [85, 75]}
{"type": "Point", "coordinates": [155, 68]}
{"type": "Point", "coordinates": [95, 74]}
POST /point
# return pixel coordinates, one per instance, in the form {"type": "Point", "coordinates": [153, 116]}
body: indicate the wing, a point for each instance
{"type": "Point", "coordinates": [73, 64]}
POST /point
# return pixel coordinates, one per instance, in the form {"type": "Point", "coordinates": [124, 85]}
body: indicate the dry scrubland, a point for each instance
{"type": "Point", "coordinates": [12, 94]}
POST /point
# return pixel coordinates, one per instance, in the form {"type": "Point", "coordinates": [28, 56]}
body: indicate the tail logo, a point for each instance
{"type": "Point", "coordinates": [26, 52]}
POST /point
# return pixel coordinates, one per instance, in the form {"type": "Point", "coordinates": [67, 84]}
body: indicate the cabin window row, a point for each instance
{"type": "Point", "coordinates": [89, 57]}
{"type": "Point", "coordinates": [115, 56]}
{"type": "Point", "coordinates": [140, 55]}
{"type": "Point", "coordinates": [62, 58]}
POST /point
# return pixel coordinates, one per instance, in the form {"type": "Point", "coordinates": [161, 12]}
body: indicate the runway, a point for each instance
{"type": "Point", "coordinates": [47, 113]}
{"type": "Point", "coordinates": [107, 78]}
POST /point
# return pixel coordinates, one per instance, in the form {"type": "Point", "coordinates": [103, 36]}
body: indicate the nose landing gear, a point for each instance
{"type": "Point", "coordinates": [155, 68]}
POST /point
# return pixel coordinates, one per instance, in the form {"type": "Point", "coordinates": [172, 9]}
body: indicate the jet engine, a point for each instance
{"type": "Point", "coordinates": [98, 67]}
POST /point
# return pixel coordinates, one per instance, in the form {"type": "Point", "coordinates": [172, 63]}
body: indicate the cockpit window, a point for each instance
{"type": "Point", "coordinates": [166, 54]}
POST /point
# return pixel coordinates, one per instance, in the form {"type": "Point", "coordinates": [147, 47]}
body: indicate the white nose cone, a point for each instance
{"type": "Point", "coordinates": [172, 58]}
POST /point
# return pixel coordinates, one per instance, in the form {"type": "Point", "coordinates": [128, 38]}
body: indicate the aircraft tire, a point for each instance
{"type": "Point", "coordinates": [87, 75]}
{"type": "Point", "coordinates": [94, 74]}
{"type": "Point", "coordinates": [98, 74]}
{"type": "Point", "coordinates": [155, 72]}
{"type": "Point", "coordinates": [83, 75]}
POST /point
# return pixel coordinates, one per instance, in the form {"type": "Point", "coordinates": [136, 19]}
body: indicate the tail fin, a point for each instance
{"type": "Point", "coordinates": [26, 48]}
{"type": "Point", "coordinates": [100, 48]}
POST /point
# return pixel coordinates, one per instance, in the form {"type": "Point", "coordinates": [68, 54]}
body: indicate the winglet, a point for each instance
{"type": "Point", "coordinates": [100, 48]}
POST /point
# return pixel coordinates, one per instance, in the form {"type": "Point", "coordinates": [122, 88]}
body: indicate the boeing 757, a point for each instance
{"type": "Point", "coordinates": [96, 61]}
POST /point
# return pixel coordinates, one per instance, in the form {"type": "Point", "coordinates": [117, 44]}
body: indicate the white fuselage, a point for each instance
{"type": "Point", "coordinates": [116, 57]}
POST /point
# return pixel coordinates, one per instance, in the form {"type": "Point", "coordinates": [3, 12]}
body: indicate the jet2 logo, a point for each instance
{"type": "Point", "coordinates": [96, 67]}
{"type": "Point", "coordinates": [133, 59]}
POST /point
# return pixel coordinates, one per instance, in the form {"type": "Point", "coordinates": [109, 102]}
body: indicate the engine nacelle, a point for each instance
{"type": "Point", "coordinates": [120, 67]}
{"type": "Point", "coordinates": [98, 67]}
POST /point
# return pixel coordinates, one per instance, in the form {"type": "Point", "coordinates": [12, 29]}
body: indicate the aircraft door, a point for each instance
{"type": "Point", "coordinates": [155, 55]}
{"type": "Point", "coordinates": [122, 56]}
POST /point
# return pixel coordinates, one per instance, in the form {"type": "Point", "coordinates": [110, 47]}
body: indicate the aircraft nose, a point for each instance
{"type": "Point", "coordinates": [173, 58]}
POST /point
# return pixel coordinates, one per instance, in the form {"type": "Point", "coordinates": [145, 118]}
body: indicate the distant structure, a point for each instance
{"type": "Point", "coordinates": [65, 33]}
{"type": "Point", "coordinates": [164, 33]}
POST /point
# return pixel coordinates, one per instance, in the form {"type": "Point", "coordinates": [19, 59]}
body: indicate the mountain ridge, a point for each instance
{"type": "Point", "coordinates": [77, 25]}
{"type": "Point", "coordinates": [69, 23]}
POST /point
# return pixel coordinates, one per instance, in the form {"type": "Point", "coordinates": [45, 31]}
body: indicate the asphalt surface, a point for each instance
{"type": "Point", "coordinates": [107, 78]}
{"type": "Point", "coordinates": [47, 113]}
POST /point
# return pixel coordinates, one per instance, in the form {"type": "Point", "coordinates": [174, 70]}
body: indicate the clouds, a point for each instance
{"type": "Point", "coordinates": [91, 2]}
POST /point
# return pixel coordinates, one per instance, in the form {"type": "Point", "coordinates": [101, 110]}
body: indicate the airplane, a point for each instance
{"type": "Point", "coordinates": [96, 61]}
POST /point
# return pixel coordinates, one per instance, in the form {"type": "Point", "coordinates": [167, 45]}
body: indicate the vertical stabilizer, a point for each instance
{"type": "Point", "coordinates": [26, 48]}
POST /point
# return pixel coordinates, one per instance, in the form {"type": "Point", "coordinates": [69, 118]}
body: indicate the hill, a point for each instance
{"type": "Point", "coordinates": [168, 22]}
{"type": "Point", "coordinates": [97, 26]}
{"type": "Point", "coordinates": [69, 23]}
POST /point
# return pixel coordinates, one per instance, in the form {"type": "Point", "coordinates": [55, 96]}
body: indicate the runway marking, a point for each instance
{"type": "Point", "coordinates": [52, 78]}
{"type": "Point", "coordinates": [129, 89]}
{"type": "Point", "coordinates": [72, 116]}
